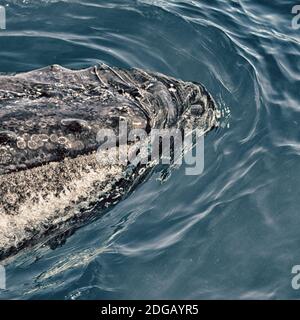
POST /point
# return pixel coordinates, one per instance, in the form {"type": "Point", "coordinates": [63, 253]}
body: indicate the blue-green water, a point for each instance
{"type": "Point", "coordinates": [232, 232]}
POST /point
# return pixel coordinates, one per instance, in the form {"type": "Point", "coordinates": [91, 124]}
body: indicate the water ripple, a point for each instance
{"type": "Point", "coordinates": [231, 232]}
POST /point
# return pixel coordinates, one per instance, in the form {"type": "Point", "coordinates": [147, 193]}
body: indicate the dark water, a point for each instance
{"type": "Point", "coordinates": [232, 232]}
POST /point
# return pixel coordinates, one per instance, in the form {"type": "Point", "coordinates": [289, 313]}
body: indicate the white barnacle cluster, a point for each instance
{"type": "Point", "coordinates": [37, 141]}
{"type": "Point", "coordinates": [172, 88]}
{"type": "Point", "coordinates": [29, 124]}
{"type": "Point", "coordinates": [6, 154]}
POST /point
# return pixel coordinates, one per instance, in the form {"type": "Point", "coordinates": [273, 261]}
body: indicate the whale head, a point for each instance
{"type": "Point", "coordinates": [49, 122]}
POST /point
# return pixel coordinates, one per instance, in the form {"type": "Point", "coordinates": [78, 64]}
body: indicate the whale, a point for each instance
{"type": "Point", "coordinates": [51, 179]}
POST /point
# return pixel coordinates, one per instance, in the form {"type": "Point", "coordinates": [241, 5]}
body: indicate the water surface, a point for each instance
{"type": "Point", "coordinates": [232, 232]}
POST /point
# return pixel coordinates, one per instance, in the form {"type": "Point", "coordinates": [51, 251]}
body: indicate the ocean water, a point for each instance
{"type": "Point", "coordinates": [231, 232]}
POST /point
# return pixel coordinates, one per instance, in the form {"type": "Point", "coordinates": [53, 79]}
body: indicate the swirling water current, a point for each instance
{"type": "Point", "coordinates": [231, 232]}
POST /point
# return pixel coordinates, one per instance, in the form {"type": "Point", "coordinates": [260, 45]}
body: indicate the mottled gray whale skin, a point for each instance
{"type": "Point", "coordinates": [50, 179]}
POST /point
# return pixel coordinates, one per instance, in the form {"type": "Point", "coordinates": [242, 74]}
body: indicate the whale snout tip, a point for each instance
{"type": "Point", "coordinates": [199, 106]}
